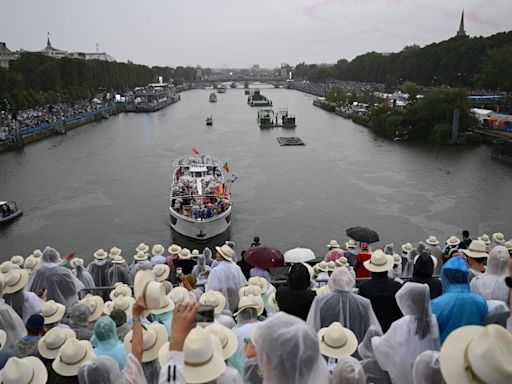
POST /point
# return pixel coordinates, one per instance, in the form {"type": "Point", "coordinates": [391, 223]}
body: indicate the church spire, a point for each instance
{"type": "Point", "coordinates": [461, 31]}
{"type": "Point", "coordinates": [48, 44]}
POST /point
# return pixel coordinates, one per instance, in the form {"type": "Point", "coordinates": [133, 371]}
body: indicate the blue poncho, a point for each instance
{"type": "Point", "coordinates": [107, 343]}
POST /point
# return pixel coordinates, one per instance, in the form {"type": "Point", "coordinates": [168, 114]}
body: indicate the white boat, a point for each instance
{"type": "Point", "coordinates": [213, 98]}
{"type": "Point", "coordinates": [200, 199]}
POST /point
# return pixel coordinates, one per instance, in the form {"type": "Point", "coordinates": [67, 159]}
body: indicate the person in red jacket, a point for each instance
{"type": "Point", "coordinates": [361, 257]}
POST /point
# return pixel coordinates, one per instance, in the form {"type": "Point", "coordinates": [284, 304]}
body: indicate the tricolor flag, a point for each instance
{"type": "Point", "coordinates": [226, 167]}
{"type": "Point", "coordinates": [233, 178]}
{"type": "Point", "coordinates": [195, 151]}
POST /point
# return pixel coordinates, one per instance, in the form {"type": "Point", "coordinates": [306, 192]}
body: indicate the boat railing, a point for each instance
{"type": "Point", "coordinates": [199, 197]}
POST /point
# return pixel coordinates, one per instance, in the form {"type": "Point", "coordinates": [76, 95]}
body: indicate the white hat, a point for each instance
{"type": "Point", "coordinates": [100, 254]}
{"type": "Point", "coordinates": [434, 260]}
{"type": "Point", "coordinates": [37, 253]}
{"type": "Point", "coordinates": [114, 251]}
{"type": "Point", "coordinates": [153, 291]}
{"type": "Point", "coordinates": [28, 370]}
{"type": "Point", "coordinates": [7, 266]}
{"type": "Point", "coordinates": [351, 244]}
{"type": "Point", "coordinates": [179, 295]}
{"type": "Point", "coordinates": [331, 266]}
{"type": "Point", "coordinates": [122, 303]}
{"type": "Point", "coordinates": [52, 312]}
{"type": "Point", "coordinates": [474, 354]}
{"type": "Point", "coordinates": [76, 262]}
{"type": "Point", "coordinates": [174, 249]}
{"type": "Point", "coordinates": [336, 341]}
{"type": "Point", "coordinates": [310, 270]}
{"type": "Point", "coordinates": [333, 244]}
{"type": "Point", "coordinates": [508, 245]}
{"type": "Point", "coordinates": [497, 237]}
{"type": "Point", "coordinates": [50, 343]}
{"type": "Point", "coordinates": [140, 256]}
{"type": "Point", "coordinates": [157, 250]}
{"type": "Point", "coordinates": [161, 272]}
{"type": "Point", "coordinates": [397, 259]}
{"type": "Point", "coordinates": [322, 266]}
{"type": "Point", "coordinates": [153, 338]}
{"type": "Point", "coordinates": [226, 252]}
{"type": "Point", "coordinates": [15, 280]}
{"type": "Point", "coordinates": [31, 263]}
{"type": "Point", "coordinates": [453, 241]}
{"type": "Point", "coordinates": [120, 289]}
{"type": "Point", "coordinates": [324, 289]}
{"type": "Point", "coordinates": [272, 301]}
{"type": "Point", "coordinates": [18, 260]}
{"type": "Point", "coordinates": [226, 336]}
{"type": "Point", "coordinates": [214, 299]}
{"type": "Point", "coordinates": [3, 339]}
{"type": "Point", "coordinates": [71, 356]}
{"type": "Point", "coordinates": [476, 250]}
{"type": "Point", "coordinates": [407, 247]}
{"type": "Point", "coordinates": [143, 248]}
{"type": "Point", "coordinates": [341, 261]}
{"type": "Point", "coordinates": [485, 239]}
{"type": "Point", "coordinates": [432, 240]}
{"type": "Point", "coordinates": [249, 290]}
{"type": "Point", "coordinates": [95, 305]}
{"type": "Point", "coordinates": [118, 259]}
{"type": "Point", "coordinates": [195, 253]}
{"type": "Point", "coordinates": [379, 262]}
{"type": "Point", "coordinates": [167, 305]}
{"type": "Point", "coordinates": [260, 282]}
{"type": "Point", "coordinates": [251, 301]}
{"type": "Point", "coordinates": [185, 254]}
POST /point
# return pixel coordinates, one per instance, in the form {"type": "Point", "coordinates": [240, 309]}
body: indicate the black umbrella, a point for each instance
{"type": "Point", "coordinates": [363, 234]}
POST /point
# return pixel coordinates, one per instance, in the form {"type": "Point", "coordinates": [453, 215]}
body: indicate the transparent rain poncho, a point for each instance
{"type": "Point", "coordinates": [10, 322]}
{"type": "Point", "coordinates": [208, 255]}
{"type": "Point", "coordinates": [409, 266]}
{"type": "Point", "coordinates": [351, 310]}
{"type": "Point", "coordinates": [374, 373]}
{"type": "Point", "coordinates": [288, 351]}
{"type": "Point", "coordinates": [491, 284]}
{"type": "Point", "coordinates": [118, 273]}
{"type": "Point", "coordinates": [99, 272]}
{"type": "Point", "coordinates": [348, 371]}
{"type": "Point", "coordinates": [230, 376]}
{"type": "Point", "coordinates": [427, 368]}
{"type": "Point", "coordinates": [106, 342]}
{"type": "Point", "coordinates": [140, 266]}
{"type": "Point", "coordinates": [232, 245]}
{"type": "Point", "coordinates": [100, 370]}
{"type": "Point", "coordinates": [409, 336]}
{"type": "Point", "coordinates": [227, 278]}
{"type": "Point", "coordinates": [24, 303]}
{"type": "Point", "coordinates": [84, 276]}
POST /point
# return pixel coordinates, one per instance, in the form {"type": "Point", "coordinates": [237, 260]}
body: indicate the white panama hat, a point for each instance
{"type": "Point", "coordinates": [140, 256]}
{"type": "Point", "coordinates": [95, 305]}
{"type": "Point", "coordinates": [336, 341]}
{"type": "Point", "coordinates": [322, 266]}
{"type": "Point", "coordinates": [195, 253]}
{"type": "Point", "coordinates": [397, 259]}
{"type": "Point", "coordinates": [379, 262]}
{"type": "Point", "coordinates": [351, 244]}
{"type": "Point", "coordinates": [226, 252]}
{"type": "Point", "coordinates": [120, 289]}
{"type": "Point", "coordinates": [333, 244]}
{"type": "Point", "coordinates": [476, 250]}
{"type": "Point", "coordinates": [179, 295]}
{"type": "Point", "coordinates": [15, 280]}
{"type": "Point", "coordinates": [167, 306]}
{"type": "Point", "coordinates": [260, 282]}
{"type": "Point", "coordinates": [18, 260]}
{"type": "Point", "coordinates": [174, 249]}
{"type": "Point", "coordinates": [153, 292]}
{"type": "Point", "coordinates": [498, 238]}
{"type": "Point", "coordinates": [28, 370]}
{"type": "Point", "coordinates": [214, 299]}
{"type": "Point", "coordinates": [508, 245]}
{"type": "Point", "coordinates": [76, 262]}
{"type": "Point", "coordinates": [50, 344]}
{"type": "Point", "coordinates": [249, 290]}
{"type": "Point", "coordinates": [161, 271]}
{"type": "Point", "coordinates": [341, 261]}
{"type": "Point", "coordinates": [226, 336]}
{"type": "Point", "coordinates": [31, 263]}
{"type": "Point", "coordinates": [157, 250]}
{"type": "Point", "coordinates": [37, 253]}
{"type": "Point", "coordinates": [71, 356]}
{"type": "Point", "coordinates": [143, 248]}
{"type": "Point", "coordinates": [153, 338]}
{"type": "Point", "coordinates": [118, 259]}
{"type": "Point", "coordinates": [122, 303]}
{"type": "Point", "coordinates": [52, 312]}
{"type": "Point", "coordinates": [114, 251]}
{"type": "Point", "coordinates": [100, 254]}
{"type": "Point", "coordinates": [251, 301]}
{"type": "Point", "coordinates": [185, 254]}
{"type": "Point", "coordinates": [407, 247]}
{"type": "Point", "coordinates": [453, 241]}
{"type": "Point", "coordinates": [485, 239]}
{"type": "Point", "coordinates": [432, 240]}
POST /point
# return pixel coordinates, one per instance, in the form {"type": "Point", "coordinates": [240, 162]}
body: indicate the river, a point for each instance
{"type": "Point", "coordinates": [107, 184]}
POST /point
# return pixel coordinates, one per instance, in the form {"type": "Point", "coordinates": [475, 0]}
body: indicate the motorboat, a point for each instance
{"type": "Point", "coordinates": [213, 98]}
{"type": "Point", "coordinates": [256, 99]}
{"type": "Point", "coordinates": [209, 120]}
{"type": "Point", "coordinates": [9, 211]}
{"type": "Point", "coordinates": [222, 88]}
{"type": "Point", "coordinates": [266, 118]}
{"type": "Point", "coordinates": [200, 198]}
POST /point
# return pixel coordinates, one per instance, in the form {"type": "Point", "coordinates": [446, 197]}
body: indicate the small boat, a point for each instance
{"type": "Point", "coordinates": [232, 85]}
{"type": "Point", "coordinates": [200, 198]}
{"type": "Point", "coordinates": [9, 211]}
{"type": "Point", "coordinates": [266, 118]}
{"type": "Point", "coordinates": [213, 98]}
{"type": "Point", "coordinates": [256, 99]}
{"type": "Point", "coordinates": [222, 88]}
{"type": "Point", "coordinates": [287, 120]}
{"type": "Point", "coordinates": [209, 120]}
{"type": "Point", "coordinates": [400, 136]}
{"type": "Point", "coordinates": [247, 92]}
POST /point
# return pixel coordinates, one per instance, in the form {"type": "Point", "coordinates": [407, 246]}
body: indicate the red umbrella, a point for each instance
{"type": "Point", "coordinates": [264, 257]}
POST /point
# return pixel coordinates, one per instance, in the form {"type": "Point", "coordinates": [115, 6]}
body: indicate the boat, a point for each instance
{"type": "Point", "coordinates": [200, 198]}
{"type": "Point", "coordinates": [246, 85]}
{"type": "Point", "coordinates": [154, 97]}
{"type": "Point", "coordinates": [222, 88]}
{"type": "Point", "coordinates": [213, 98]}
{"type": "Point", "coordinates": [209, 120]}
{"type": "Point", "coordinates": [265, 118]}
{"type": "Point", "coordinates": [232, 85]}
{"type": "Point", "coordinates": [9, 211]}
{"type": "Point", "coordinates": [287, 120]}
{"type": "Point", "coordinates": [400, 136]}
{"type": "Point", "coordinates": [256, 99]}
{"type": "Point", "coordinates": [247, 92]}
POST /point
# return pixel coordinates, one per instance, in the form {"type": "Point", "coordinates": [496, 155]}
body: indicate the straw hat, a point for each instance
{"type": "Point", "coordinates": [3, 339]}
{"type": "Point", "coordinates": [161, 272]}
{"type": "Point", "coordinates": [15, 280]}
{"type": "Point", "coordinates": [122, 303]}
{"type": "Point", "coordinates": [249, 290]}
{"type": "Point", "coordinates": [153, 291]}
{"type": "Point", "coordinates": [174, 249]}
{"type": "Point", "coordinates": [251, 301]}
{"type": "Point", "coordinates": [95, 305]}
{"type": "Point", "coordinates": [331, 266]}
{"type": "Point", "coordinates": [323, 290]}
{"type": "Point", "coordinates": [434, 260]}
{"type": "Point", "coordinates": [336, 341]}
{"type": "Point", "coordinates": [476, 354]}
{"type": "Point", "coordinates": [118, 260]}
{"type": "Point", "coordinates": [140, 256]}
{"type": "Point", "coordinates": [167, 306]}
{"type": "Point", "coordinates": [397, 259]}
{"type": "Point", "coordinates": [260, 282]}
{"type": "Point", "coordinates": [272, 302]}
{"type": "Point", "coordinates": [341, 261]}
{"type": "Point", "coordinates": [120, 289]}
{"type": "Point", "coordinates": [28, 370]}
{"type": "Point", "coordinates": [179, 295]}
{"type": "Point", "coordinates": [432, 240]}
{"type": "Point", "coordinates": [157, 250]}
{"type": "Point", "coordinates": [195, 253]}
{"type": "Point", "coordinates": [37, 253]}
{"type": "Point", "coordinates": [76, 262]}
{"type": "Point", "coordinates": [142, 248]}
{"type": "Point", "coordinates": [215, 299]}
{"type": "Point", "coordinates": [453, 241]}
{"type": "Point", "coordinates": [407, 247]}
{"type": "Point", "coordinates": [71, 356]}
{"type": "Point", "coordinates": [497, 237]}
{"type": "Point", "coordinates": [100, 254]}
{"type": "Point", "coordinates": [322, 266]}
{"type": "Point", "coordinates": [31, 263]}
{"type": "Point", "coordinates": [333, 244]}
{"type": "Point", "coordinates": [351, 244]}
{"type": "Point", "coordinates": [226, 336]}
{"type": "Point", "coordinates": [485, 239]}
{"type": "Point", "coordinates": [508, 245]}
{"type": "Point", "coordinates": [476, 250]}
{"type": "Point", "coordinates": [114, 251]}
{"type": "Point", "coordinates": [50, 343]}
{"type": "Point", "coordinates": [185, 254]}
{"type": "Point", "coordinates": [153, 338]}
{"type": "Point", "coordinates": [18, 260]}
{"type": "Point", "coordinates": [7, 266]}
{"type": "Point", "coordinates": [379, 262]}
{"type": "Point", "coordinates": [226, 252]}
{"type": "Point", "coordinates": [52, 312]}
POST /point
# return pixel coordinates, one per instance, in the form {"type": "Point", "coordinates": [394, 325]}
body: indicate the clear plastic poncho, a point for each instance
{"type": "Point", "coordinates": [427, 368]}
{"type": "Point", "coordinates": [227, 278]}
{"type": "Point", "coordinates": [491, 284]}
{"type": "Point", "coordinates": [208, 254]}
{"type": "Point", "coordinates": [24, 303]}
{"type": "Point", "coordinates": [351, 310]}
{"type": "Point", "coordinates": [348, 371]}
{"type": "Point", "coordinates": [140, 266]}
{"type": "Point", "coordinates": [118, 273]}
{"type": "Point", "coordinates": [106, 342]}
{"type": "Point", "coordinates": [374, 373]}
{"type": "Point", "coordinates": [99, 272]}
{"type": "Point", "coordinates": [84, 276]}
{"type": "Point", "coordinates": [288, 351]}
{"type": "Point", "coordinates": [409, 336]}
{"type": "Point", "coordinates": [100, 370]}
{"type": "Point", "coordinates": [10, 322]}
{"type": "Point", "coordinates": [230, 376]}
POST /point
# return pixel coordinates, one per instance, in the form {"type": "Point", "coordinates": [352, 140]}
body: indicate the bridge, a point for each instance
{"type": "Point", "coordinates": [277, 81]}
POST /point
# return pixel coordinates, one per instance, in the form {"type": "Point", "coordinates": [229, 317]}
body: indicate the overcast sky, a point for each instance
{"type": "Point", "coordinates": [239, 33]}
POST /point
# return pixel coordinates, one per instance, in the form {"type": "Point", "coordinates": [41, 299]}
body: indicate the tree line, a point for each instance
{"type": "Point", "coordinates": [468, 62]}
{"type": "Point", "coordinates": [35, 79]}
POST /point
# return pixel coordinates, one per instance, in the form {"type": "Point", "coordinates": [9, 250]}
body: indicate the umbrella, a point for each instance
{"type": "Point", "coordinates": [264, 257]}
{"type": "Point", "coordinates": [299, 255]}
{"type": "Point", "coordinates": [363, 234]}
{"type": "Point", "coordinates": [334, 254]}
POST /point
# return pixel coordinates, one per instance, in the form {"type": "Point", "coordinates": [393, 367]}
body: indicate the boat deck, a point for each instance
{"type": "Point", "coordinates": [290, 141]}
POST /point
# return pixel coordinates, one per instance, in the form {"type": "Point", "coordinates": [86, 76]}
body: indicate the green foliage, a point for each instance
{"type": "Point", "coordinates": [410, 88]}
{"type": "Point", "coordinates": [497, 69]}
{"type": "Point", "coordinates": [441, 133]}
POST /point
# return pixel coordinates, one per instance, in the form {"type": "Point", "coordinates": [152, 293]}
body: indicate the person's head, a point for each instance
{"type": "Point", "coordinates": [79, 314]}
{"type": "Point", "coordinates": [498, 260]}
{"type": "Point", "coordinates": [455, 272]}
{"type": "Point", "coordinates": [421, 247]}
{"type": "Point", "coordinates": [247, 315]}
{"type": "Point", "coordinates": [348, 371]}
{"type": "Point", "coordinates": [475, 262]}
{"type": "Point", "coordinates": [288, 351]}
{"type": "Point", "coordinates": [413, 299]}
{"type": "Point", "coordinates": [100, 370]}
{"type": "Point", "coordinates": [298, 277]}
{"type": "Point", "coordinates": [427, 368]}
{"type": "Point", "coordinates": [465, 234]}
{"type": "Point", "coordinates": [191, 280]}
{"type": "Point", "coordinates": [341, 280]}
{"type": "Point", "coordinates": [35, 325]}
{"type": "Point", "coordinates": [51, 255]}
{"type": "Point", "coordinates": [207, 252]}
{"type": "Point", "coordinates": [118, 316]}
{"type": "Point", "coordinates": [423, 266]}
{"type": "Point", "coordinates": [105, 329]}
{"type": "Point", "coordinates": [256, 240]}
{"type": "Point", "coordinates": [201, 260]}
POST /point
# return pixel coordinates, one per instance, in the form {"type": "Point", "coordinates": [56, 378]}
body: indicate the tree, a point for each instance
{"type": "Point", "coordinates": [411, 89]}
{"type": "Point", "coordinates": [497, 69]}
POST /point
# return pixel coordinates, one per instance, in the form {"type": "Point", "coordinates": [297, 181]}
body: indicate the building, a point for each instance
{"type": "Point", "coordinates": [103, 56]}
{"type": "Point", "coordinates": [53, 52]}
{"type": "Point", "coordinates": [461, 32]}
{"type": "Point", "coordinates": [6, 55]}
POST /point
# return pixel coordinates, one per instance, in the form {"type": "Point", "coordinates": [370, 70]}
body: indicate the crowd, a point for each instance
{"type": "Point", "coordinates": [345, 87]}
{"type": "Point", "coordinates": [358, 316]}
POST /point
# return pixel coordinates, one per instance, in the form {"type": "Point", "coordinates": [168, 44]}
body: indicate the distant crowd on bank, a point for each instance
{"type": "Point", "coordinates": [357, 316]}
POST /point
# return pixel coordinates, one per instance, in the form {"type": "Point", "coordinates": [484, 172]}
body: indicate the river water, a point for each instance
{"type": "Point", "coordinates": [107, 184]}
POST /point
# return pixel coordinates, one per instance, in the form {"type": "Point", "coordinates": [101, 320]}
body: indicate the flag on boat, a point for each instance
{"type": "Point", "coordinates": [195, 151]}
{"type": "Point", "coordinates": [219, 189]}
{"type": "Point", "coordinates": [226, 167]}
{"type": "Point", "coordinates": [233, 178]}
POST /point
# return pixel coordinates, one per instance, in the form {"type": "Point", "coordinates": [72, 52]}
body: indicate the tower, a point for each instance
{"type": "Point", "coordinates": [461, 32]}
